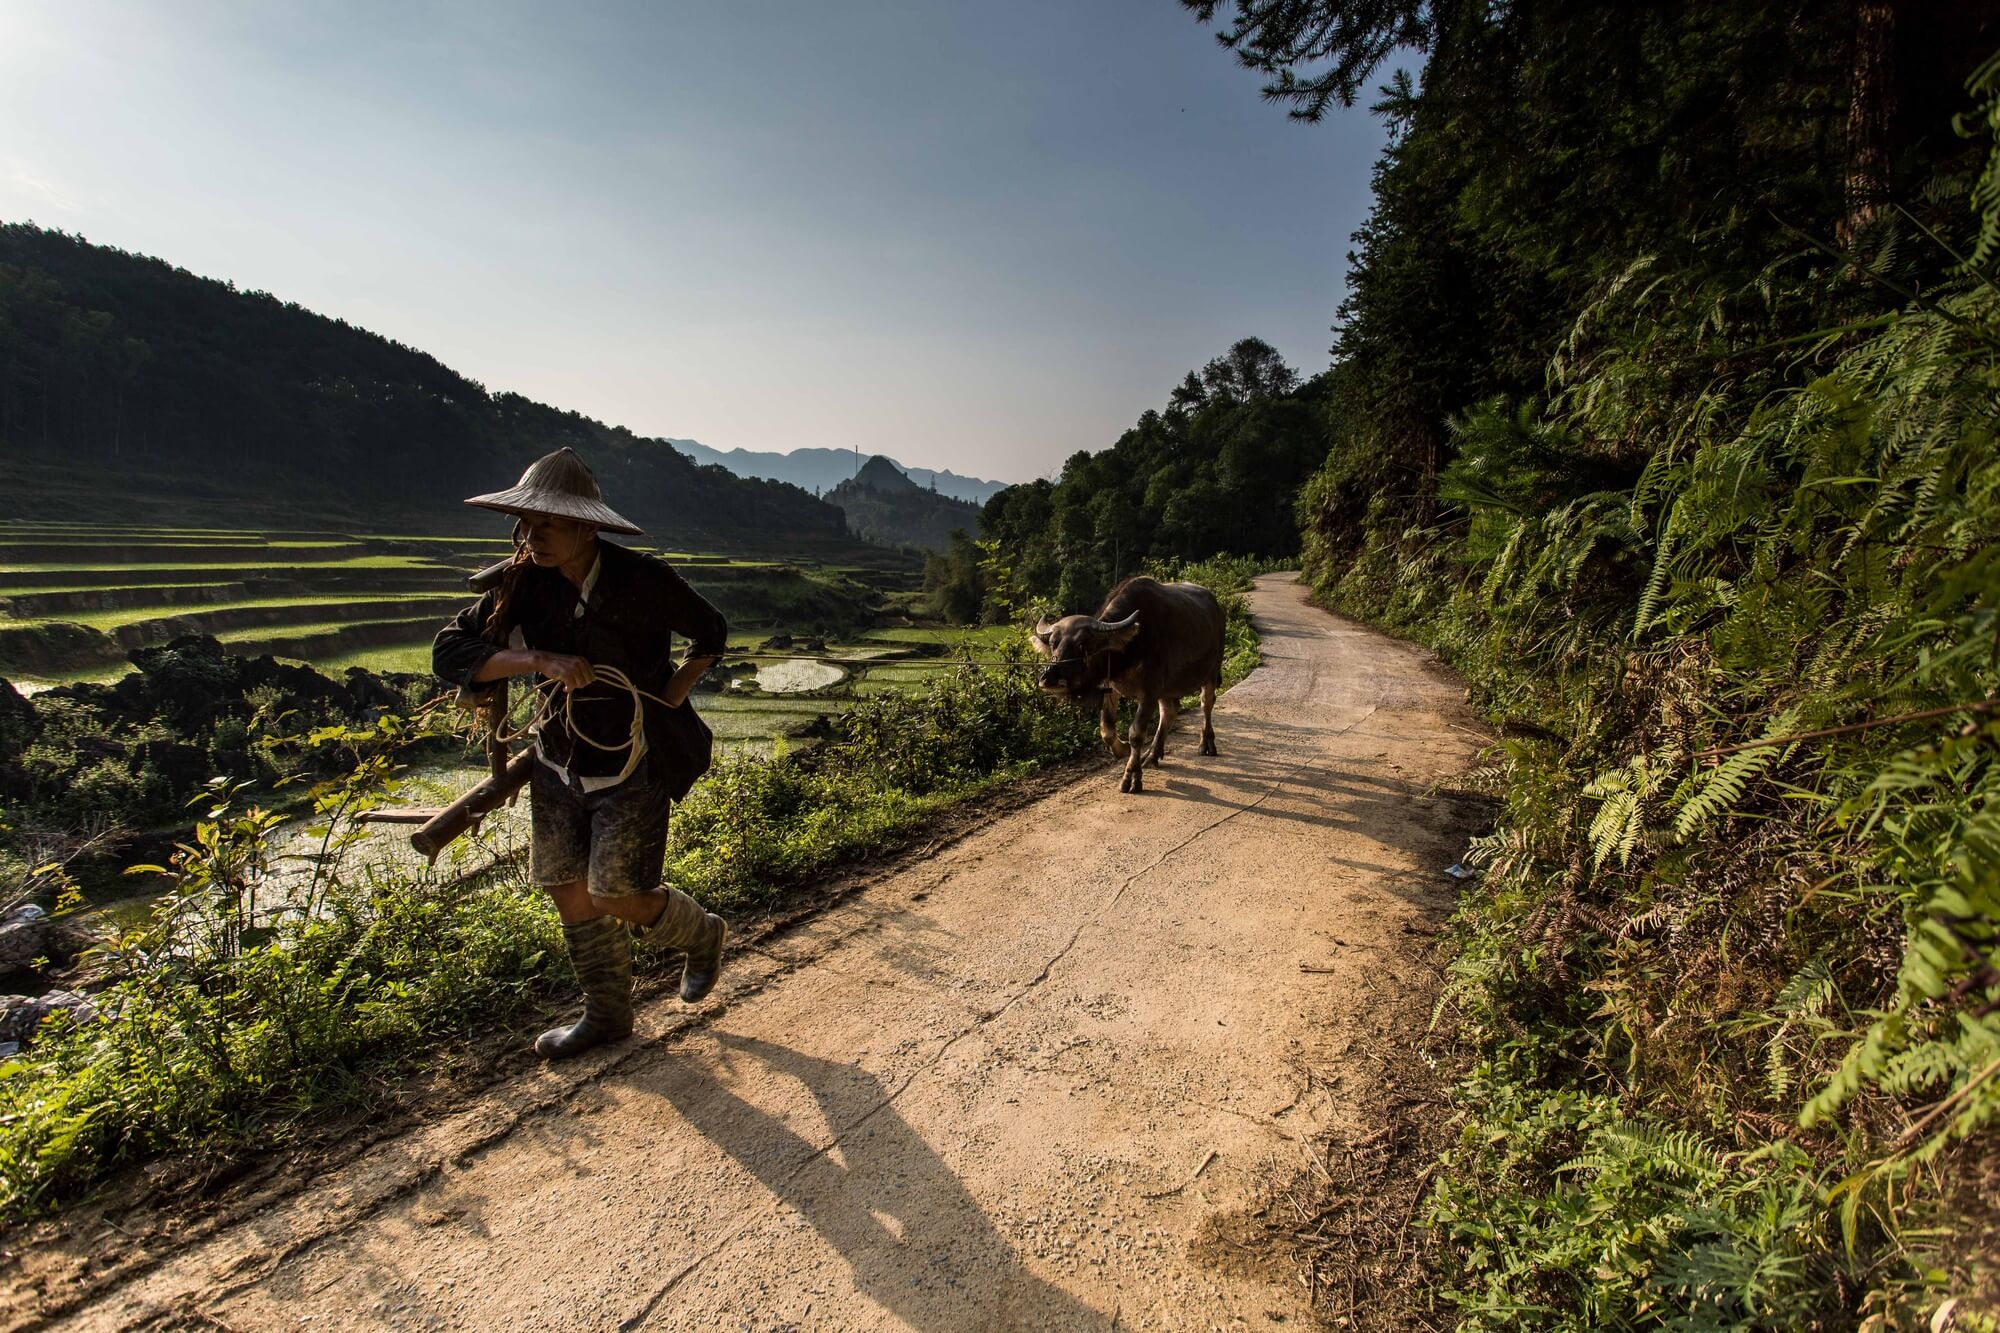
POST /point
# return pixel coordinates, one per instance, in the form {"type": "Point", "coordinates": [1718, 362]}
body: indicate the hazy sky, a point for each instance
{"type": "Point", "coordinates": [975, 234]}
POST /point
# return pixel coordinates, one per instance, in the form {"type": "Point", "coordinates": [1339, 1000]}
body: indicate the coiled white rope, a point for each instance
{"type": "Point", "coordinates": [551, 690]}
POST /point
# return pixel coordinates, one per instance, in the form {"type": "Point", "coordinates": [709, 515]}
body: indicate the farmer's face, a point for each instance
{"type": "Point", "coordinates": [557, 541]}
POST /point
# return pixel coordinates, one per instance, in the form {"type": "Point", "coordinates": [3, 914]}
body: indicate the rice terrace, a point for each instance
{"type": "Point", "coordinates": [76, 598]}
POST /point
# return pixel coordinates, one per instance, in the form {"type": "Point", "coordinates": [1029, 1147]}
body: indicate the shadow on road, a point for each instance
{"type": "Point", "coordinates": [1411, 821]}
{"type": "Point", "coordinates": [917, 1242]}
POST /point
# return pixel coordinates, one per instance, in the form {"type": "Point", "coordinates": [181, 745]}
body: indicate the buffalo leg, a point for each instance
{"type": "Point", "coordinates": [1208, 719]}
{"type": "Point", "coordinates": [1136, 760]}
{"type": "Point", "coordinates": [1168, 709]}
{"type": "Point", "coordinates": [1107, 724]}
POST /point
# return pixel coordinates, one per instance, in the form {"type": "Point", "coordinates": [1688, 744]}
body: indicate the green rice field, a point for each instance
{"type": "Point", "coordinates": [75, 599]}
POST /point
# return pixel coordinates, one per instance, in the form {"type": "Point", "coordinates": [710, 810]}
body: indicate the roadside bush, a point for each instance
{"type": "Point", "coordinates": [227, 1016]}
{"type": "Point", "coordinates": [1228, 577]}
{"type": "Point", "coordinates": [109, 787]}
{"type": "Point", "coordinates": [755, 823]}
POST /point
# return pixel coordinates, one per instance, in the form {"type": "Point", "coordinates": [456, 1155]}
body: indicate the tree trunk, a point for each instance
{"type": "Point", "coordinates": [1871, 116]}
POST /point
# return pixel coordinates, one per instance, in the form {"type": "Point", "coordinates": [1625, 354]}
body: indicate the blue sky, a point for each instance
{"type": "Point", "coordinates": [971, 234]}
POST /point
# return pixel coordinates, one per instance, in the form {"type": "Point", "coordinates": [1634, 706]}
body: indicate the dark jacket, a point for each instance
{"type": "Point", "coordinates": [636, 607]}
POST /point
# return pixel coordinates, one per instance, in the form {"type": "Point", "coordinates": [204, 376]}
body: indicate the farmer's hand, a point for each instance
{"type": "Point", "coordinates": [574, 672]}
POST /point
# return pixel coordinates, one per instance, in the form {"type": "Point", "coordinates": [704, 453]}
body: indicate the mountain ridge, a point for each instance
{"type": "Point", "coordinates": [130, 385]}
{"type": "Point", "coordinates": [821, 469]}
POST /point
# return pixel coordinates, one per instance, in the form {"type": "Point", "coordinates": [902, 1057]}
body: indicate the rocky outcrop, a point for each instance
{"type": "Point", "coordinates": [19, 724]}
{"type": "Point", "coordinates": [23, 932]}
{"type": "Point", "coordinates": [33, 942]}
{"type": "Point", "coordinates": [168, 727]}
{"type": "Point", "coordinates": [20, 1015]}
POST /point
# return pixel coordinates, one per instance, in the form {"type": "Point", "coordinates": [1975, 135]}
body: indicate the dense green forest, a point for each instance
{"type": "Point", "coordinates": [1216, 469]}
{"type": "Point", "coordinates": [1663, 405]}
{"type": "Point", "coordinates": [122, 377]}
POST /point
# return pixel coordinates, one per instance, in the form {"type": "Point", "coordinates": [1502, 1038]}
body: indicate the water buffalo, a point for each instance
{"type": "Point", "coordinates": [1151, 642]}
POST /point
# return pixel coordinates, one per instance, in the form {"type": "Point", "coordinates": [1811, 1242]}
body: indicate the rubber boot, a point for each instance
{"type": "Point", "coordinates": [601, 951]}
{"type": "Point", "coordinates": [704, 960]}
{"type": "Point", "coordinates": [682, 924]}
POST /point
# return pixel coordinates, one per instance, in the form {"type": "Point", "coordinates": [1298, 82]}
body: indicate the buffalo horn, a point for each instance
{"type": "Point", "coordinates": [1113, 626]}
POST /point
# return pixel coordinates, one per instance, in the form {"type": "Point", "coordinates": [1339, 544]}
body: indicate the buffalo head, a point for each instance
{"type": "Point", "coordinates": [1076, 648]}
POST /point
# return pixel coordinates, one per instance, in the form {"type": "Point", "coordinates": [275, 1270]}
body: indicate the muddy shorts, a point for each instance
{"type": "Point", "coordinates": [614, 839]}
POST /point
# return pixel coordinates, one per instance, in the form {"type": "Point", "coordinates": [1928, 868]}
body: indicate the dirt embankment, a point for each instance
{"type": "Point", "coordinates": [56, 648]}
{"type": "Point", "coordinates": [1055, 1076]}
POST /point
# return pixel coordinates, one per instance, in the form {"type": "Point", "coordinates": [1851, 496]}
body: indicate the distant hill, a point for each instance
{"type": "Point", "coordinates": [880, 475]}
{"type": "Point", "coordinates": [823, 469]}
{"type": "Point", "coordinates": [887, 507]}
{"type": "Point", "coordinates": [129, 387]}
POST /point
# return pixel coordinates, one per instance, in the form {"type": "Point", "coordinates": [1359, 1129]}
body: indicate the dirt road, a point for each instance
{"type": "Point", "coordinates": [1046, 1078]}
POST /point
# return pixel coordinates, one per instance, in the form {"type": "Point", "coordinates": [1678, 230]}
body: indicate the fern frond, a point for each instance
{"type": "Point", "coordinates": [1645, 1146]}
{"type": "Point", "coordinates": [1724, 785]}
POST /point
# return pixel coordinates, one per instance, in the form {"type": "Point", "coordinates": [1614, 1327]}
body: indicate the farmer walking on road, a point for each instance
{"type": "Point", "coordinates": [618, 744]}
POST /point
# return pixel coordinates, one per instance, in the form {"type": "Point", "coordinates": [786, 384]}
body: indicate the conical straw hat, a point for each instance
{"type": "Point", "coordinates": [561, 484]}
